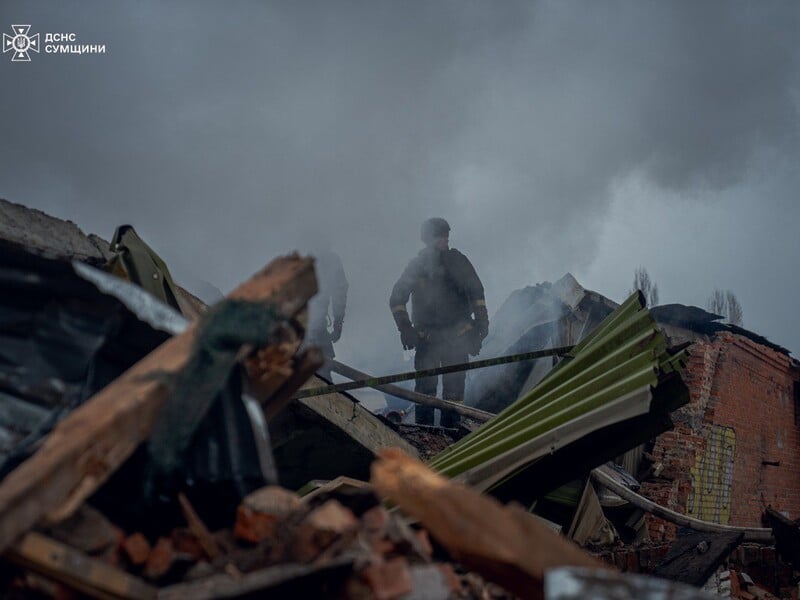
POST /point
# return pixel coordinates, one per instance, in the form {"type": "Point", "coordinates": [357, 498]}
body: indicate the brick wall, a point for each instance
{"type": "Point", "coordinates": [756, 399]}
{"type": "Point", "coordinates": [735, 448]}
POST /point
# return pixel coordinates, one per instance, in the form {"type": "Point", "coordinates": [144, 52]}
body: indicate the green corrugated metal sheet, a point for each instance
{"type": "Point", "coordinates": [609, 378]}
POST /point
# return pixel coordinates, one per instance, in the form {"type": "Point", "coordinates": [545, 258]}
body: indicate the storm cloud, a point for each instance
{"type": "Point", "coordinates": [554, 136]}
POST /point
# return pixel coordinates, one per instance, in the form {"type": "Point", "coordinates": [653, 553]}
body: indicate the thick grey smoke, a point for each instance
{"type": "Point", "coordinates": [554, 136]}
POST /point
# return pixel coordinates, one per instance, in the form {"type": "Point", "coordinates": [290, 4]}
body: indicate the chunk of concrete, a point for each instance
{"type": "Point", "coordinates": [323, 437]}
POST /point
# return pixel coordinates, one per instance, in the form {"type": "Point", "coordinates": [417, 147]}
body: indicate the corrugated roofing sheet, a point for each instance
{"type": "Point", "coordinates": [610, 377]}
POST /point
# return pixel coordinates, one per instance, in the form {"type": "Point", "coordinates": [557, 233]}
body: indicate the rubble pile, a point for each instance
{"type": "Point", "coordinates": [430, 441]}
{"type": "Point", "coordinates": [332, 544]}
{"type": "Point", "coordinates": [151, 447]}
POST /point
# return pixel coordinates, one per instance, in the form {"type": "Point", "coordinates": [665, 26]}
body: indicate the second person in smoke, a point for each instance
{"type": "Point", "coordinates": [327, 308]}
{"type": "Point", "coordinates": [448, 318]}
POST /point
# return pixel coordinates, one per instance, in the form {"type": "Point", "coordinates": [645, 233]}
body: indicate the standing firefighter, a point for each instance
{"type": "Point", "coordinates": [326, 309]}
{"type": "Point", "coordinates": [445, 293]}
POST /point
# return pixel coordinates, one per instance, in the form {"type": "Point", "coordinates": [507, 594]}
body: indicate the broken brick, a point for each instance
{"type": "Point", "coordinates": [252, 526]}
{"type": "Point", "coordinates": [87, 530]}
{"type": "Point", "coordinates": [332, 516]}
{"type": "Point", "coordinates": [260, 511]}
{"type": "Point", "coordinates": [320, 529]}
{"type": "Point", "coordinates": [136, 548]}
{"type": "Point", "coordinates": [185, 542]}
{"type": "Point", "coordinates": [388, 580]}
{"type": "Point", "coordinates": [273, 500]}
{"type": "Point", "coordinates": [160, 559]}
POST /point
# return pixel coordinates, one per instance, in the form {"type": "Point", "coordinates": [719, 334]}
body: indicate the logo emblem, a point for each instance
{"type": "Point", "coordinates": [20, 43]}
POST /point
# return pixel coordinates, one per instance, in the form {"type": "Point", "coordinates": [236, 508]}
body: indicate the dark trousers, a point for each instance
{"type": "Point", "coordinates": [322, 338]}
{"type": "Point", "coordinates": [436, 350]}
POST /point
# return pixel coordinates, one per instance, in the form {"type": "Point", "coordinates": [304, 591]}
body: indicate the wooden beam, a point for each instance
{"type": "Point", "coordinates": [395, 390]}
{"type": "Point", "coordinates": [306, 364]}
{"type": "Point", "coordinates": [97, 437]}
{"type": "Point", "coordinates": [505, 544]}
{"type": "Point", "coordinates": [76, 569]}
{"type": "Point", "coordinates": [589, 520]}
{"type": "Point", "coordinates": [693, 558]}
{"type": "Point", "coordinates": [259, 583]}
{"type": "Point", "coordinates": [199, 529]}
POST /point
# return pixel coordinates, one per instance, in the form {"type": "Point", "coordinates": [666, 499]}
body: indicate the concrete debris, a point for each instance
{"type": "Point", "coordinates": [304, 433]}
{"type": "Point", "coordinates": [32, 229]}
{"type": "Point", "coordinates": [149, 451]}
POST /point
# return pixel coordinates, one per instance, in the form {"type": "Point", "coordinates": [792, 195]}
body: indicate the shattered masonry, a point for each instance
{"type": "Point", "coordinates": [730, 461]}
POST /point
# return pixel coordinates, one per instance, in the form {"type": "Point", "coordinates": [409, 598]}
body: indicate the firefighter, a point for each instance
{"type": "Point", "coordinates": [448, 319]}
{"type": "Point", "coordinates": [326, 309]}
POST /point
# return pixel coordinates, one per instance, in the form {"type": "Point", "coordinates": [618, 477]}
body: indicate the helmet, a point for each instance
{"type": "Point", "coordinates": [434, 228]}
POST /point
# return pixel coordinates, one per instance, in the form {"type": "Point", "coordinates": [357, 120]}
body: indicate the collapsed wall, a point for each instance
{"type": "Point", "coordinates": [735, 449]}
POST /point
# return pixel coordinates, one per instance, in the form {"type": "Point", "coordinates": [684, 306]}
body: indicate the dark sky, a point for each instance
{"type": "Point", "coordinates": [569, 136]}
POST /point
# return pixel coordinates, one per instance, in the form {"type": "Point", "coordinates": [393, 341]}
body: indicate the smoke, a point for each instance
{"type": "Point", "coordinates": [230, 134]}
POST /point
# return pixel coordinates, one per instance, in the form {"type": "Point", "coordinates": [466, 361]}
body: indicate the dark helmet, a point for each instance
{"type": "Point", "coordinates": [434, 228]}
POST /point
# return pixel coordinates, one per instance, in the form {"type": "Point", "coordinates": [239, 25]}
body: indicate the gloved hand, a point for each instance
{"type": "Point", "coordinates": [474, 342]}
{"type": "Point", "coordinates": [337, 331]}
{"type": "Point", "coordinates": [481, 322]}
{"type": "Point", "coordinates": [408, 336]}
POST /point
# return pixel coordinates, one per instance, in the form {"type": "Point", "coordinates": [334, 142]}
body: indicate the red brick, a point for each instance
{"type": "Point", "coordinates": [136, 548]}
{"type": "Point", "coordinates": [737, 383]}
{"type": "Point", "coordinates": [160, 559]}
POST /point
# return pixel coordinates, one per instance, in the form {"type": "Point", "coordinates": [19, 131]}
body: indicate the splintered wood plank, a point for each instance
{"type": "Point", "coordinates": [198, 528]}
{"type": "Point", "coordinates": [260, 583]}
{"type": "Point", "coordinates": [503, 543]}
{"type": "Point", "coordinates": [272, 400]}
{"type": "Point", "coordinates": [693, 558]}
{"type": "Point", "coordinates": [77, 570]}
{"type": "Point", "coordinates": [96, 438]}
{"type": "Point", "coordinates": [589, 518]}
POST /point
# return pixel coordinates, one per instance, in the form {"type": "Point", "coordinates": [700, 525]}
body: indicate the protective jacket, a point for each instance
{"type": "Point", "coordinates": [443, 287]}
{"type": "Point", "coordinates": [327, 308]}
{"type": "Point", "coordinates": [445, 292]}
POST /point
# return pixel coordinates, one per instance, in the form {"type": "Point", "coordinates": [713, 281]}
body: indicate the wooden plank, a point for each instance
{"type": "Point", "coordinates": [693, 558]}
{"type": "Point", "coordinates": [302, 434]}
{"type": "Point", "coordinates": [340, 484]}
{"type": "Point", "coordinates": [88, 530]}
{"type": "Point", "coordinates": [503, 543]}
{"type": "Point", "coordinates": [395, 390]}
{"type": "Point", "coordinates": [97, 437]}
{"type": "Point", "coordinates": [77, 570]}
{"type": "Point", "coordinates": [354, 420]}
{"type": "Point", "coordinates": [198, 528]}
{"type": "Point", "coordinates": [306, 364]}
{"type": "Point", "coordinates": [589, 523]}
{"type": "Point", "coordinates": [261, 581]}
